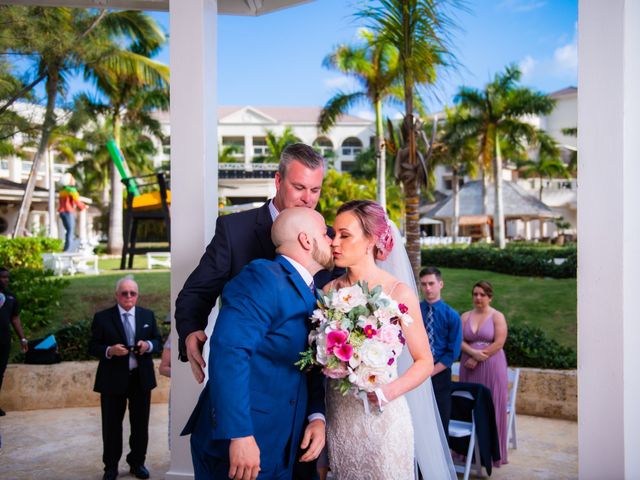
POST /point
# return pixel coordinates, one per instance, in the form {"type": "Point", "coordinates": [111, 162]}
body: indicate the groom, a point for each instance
{"type": "Point", "coordinates": [249, 419]}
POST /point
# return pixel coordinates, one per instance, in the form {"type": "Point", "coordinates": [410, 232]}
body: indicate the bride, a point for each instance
{"type": "Point", "coordinates": [383, 444]}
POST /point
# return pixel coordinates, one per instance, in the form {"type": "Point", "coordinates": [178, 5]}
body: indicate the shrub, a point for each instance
{"type": "Point", "coordinates": [528, 346]}
{"type": "Point", "coordinates": [73, 341]}
{"type": "Point", "coordinates": [38, 296]}
{"type": "Point", "coordinates": [522, 260]}
{"type": "Point", "coordinates": [25, 252]}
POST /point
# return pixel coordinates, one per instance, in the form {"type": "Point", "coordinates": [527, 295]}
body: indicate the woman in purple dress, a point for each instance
{"type": "Point", "coordinates": [484, 331]}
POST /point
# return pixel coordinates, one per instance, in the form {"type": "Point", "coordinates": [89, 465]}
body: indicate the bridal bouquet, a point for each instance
{"type": "Point", "coordinates": [356, 337]}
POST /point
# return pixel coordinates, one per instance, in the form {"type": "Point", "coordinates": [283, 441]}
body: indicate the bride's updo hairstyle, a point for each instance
{"type": "Point", "coordinates": [374, 223]}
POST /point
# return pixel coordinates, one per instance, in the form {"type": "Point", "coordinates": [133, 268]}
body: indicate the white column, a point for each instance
{"type": "Point", "coordinates": [527, 228]}
{"type": "Point", "coordinates": [194, 183]}
{"type": "Point", "coordinates": [248, 149]}
{"type": "Point", "coordinates": [543, 228]}
{"type": "Point", "coordinates": [82, 227]}
{"type": "Point", "coordinates": [15, 169]}
{"type": "Point", "coordinates": [52, 224]}
{"type": "Point", "coordinates": [609, 258]}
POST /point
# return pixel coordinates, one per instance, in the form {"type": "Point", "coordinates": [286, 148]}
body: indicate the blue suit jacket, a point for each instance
{"type": "Point", "coordinates": [254, 388]}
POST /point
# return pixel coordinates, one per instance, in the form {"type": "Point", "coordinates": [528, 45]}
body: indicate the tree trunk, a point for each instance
{"type": "Point", "coordinates": [48, 125]}
{"type": "Point", "coordinates": [456, 206]}
{"type": "Point", "coordinates": [381, 186]}
{"type": "Point", "coordinates": [412, 226]}
{"type": "Point", "coordinates": [115, 241]}
{"type": "Point", "coordinates": [498, 217]}
{"type": "Point", "coordinates": [485, 205]}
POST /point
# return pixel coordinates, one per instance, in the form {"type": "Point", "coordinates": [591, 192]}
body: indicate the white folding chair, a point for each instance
{"type": "Point", "coordinates": [461, 429]}
{"type": "Point", "coordinates": [514, 378]}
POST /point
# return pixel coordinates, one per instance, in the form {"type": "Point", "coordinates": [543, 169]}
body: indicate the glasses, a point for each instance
{"type": "Point", "coordinates": [128, 293]}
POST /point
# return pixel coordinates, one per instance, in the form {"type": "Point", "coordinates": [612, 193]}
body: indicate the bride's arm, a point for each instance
{"type": "Point", "coordinates": [418, 344]}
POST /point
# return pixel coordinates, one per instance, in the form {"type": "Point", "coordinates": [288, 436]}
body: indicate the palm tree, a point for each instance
{"type": "Point", "coordinates": [456, 149]}
{"type": "Point", "coordinates": [548, 164]}
{"type": "Point", "coordinates": [418, 30]}
{"type": "Point", "coordinates": [497, 115]}
{"type": "Point", "coordinates": [374, 66]}
{"type": "Point", "coordinates": [277, 143]}
{"type": "Point", "coordinates": [63, 40]}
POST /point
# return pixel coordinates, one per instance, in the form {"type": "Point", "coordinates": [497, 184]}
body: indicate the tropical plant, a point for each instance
{"type": "Point", "coordinates": [276, 144]}
{"type": "Point", "coordinates": [573, 159]}
{"type": "Point", "coordinates": [497, 114]}
{"type": "Point", "coordinates": [547, 165]}
{"type": "Point", "coordinates": [374, 65]}
{"type": "Point", "coordinates": [455, 149]}
{"type": "Point", "coordinates": [58, 41]}
{"type": "Point", "coordinates": [418, 29]}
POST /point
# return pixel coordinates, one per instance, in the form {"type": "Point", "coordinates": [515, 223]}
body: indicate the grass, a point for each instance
{"type": "Point", "coordinates": [547, 303]}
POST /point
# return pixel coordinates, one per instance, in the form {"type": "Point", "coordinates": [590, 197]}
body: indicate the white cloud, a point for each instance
{"type": "Point", "coordinates": [340, 82]}
{"type": "Point", "coordinates": [527, 65]}
{"type": "Point", "coordinates": [522, 5]}
{"type": "Point", "coordinates": [565, 58]}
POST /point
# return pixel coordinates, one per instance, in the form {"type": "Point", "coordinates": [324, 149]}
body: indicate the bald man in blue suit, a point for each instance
{"type": "Point", "coordinates": [249, 420]}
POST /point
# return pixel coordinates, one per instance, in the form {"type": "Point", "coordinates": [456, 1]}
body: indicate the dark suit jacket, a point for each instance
{"type": "Point", "coordinates": [240, 238]}
{"type": "Point", "coordinates": [113, 373]}
{"type": "Point", "coordinates": [254, 388]}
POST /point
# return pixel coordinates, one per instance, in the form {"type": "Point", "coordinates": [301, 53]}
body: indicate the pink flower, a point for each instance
{"type": "Point", "coordinates": [343, 352]}
{"type": "Point", "coordinates": [391, 360]}
{"type": "Point", "coordinates": [403, 308]}
{"type": "Point", "coordinates": [339, 372]}
{"type": "Point", "coordinates": [336, 338]}
{"type": "Point", "coordinates": [369, 331]}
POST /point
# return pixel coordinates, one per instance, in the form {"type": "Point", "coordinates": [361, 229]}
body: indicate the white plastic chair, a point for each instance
{"type": "Point", "coordinates": [461, 429]}
{"type": "Point", "coordinates": [514, 378]}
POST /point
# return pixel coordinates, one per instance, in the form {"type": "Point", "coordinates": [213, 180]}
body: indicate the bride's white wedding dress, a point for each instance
{"type": "Point", "coordinates": [375, 446]}
{"type": "Point", "coordinates": [386, 445]}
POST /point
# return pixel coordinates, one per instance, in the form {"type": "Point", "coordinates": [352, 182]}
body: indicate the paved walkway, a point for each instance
{"type": "Point", "coordinates": [65, 444]}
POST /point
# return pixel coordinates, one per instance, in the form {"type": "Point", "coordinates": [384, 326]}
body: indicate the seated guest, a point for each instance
{"type": "Point", "coordinates": [484, 331]}
{"type": "Point", "coordinates": [445, 335]}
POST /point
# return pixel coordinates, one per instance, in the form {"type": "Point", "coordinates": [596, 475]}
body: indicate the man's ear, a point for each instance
{"type": "Point", "coordinates": [304, 240]}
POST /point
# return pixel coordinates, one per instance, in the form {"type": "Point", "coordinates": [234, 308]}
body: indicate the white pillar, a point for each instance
{"type": "Point", "coordinates": [82, 227]}
{"type": "Point", "coordinates": [15, 169]}
{"type": "Point", "coordinates": [527, 228]}
{"type": "Point", "coordinates": [609, 258]}
{"type": "Point", "coordinates": [194, 183]}
{"type": "Point", "coordinates": [248, 149]}
{"type": "Point", "coordinates": [52, 224]}
{"type": "Point", "coordinates": [543, 228]}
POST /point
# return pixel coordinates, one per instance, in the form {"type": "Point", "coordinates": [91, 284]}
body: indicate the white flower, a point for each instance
{"type": "Point", "coordinates": [406, 319]}
{"type": "Point", "coordinates": [348, 298]}
{"type": "Point", "coordinates": [389, 334]}
{"type": "Point", "coordinates": [375, 354]}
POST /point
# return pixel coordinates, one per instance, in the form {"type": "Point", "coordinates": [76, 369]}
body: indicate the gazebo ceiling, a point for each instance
{"type": "Point", "coordinates": [228, 7]}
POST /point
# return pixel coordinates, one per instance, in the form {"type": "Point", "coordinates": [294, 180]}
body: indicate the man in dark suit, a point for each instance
{"type": "Point", "coordinates": [123, 337]}
{"type": "Point", "coordinates": [249, 419]}
{"type": "Point", "coordinates": [239, 239]}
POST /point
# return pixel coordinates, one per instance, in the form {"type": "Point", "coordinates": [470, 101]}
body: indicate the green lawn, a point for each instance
{"type": "Point", "coordinates": [548, 303]}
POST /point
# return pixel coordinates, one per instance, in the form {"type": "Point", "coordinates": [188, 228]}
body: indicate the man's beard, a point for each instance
{"type": "Point", "coordinates": [324, 259]}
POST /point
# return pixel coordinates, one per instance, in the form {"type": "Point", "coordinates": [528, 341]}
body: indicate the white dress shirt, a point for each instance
{"type": "Point", "coordinates": [131, 318]}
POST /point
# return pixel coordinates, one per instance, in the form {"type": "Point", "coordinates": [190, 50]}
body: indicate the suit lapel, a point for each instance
{"type": "Point", "coordinates": [139, 324]}
{"type": "Point", "coordinates": [303, 289]}
{"type": "Point", "coordinates": [117, 321]}
{"type": "Point", "coordinates": [263, 231]}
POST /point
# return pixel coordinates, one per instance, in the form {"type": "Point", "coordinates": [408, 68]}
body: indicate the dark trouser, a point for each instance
{"type": "Point", "coordinates": [113, 408]}
{"type": "Point", "coordinates": [69, 223]}
{"type": "Point", "coordinates": [442, 390]}
{"type": "Point", "coordinates": [5, 348]}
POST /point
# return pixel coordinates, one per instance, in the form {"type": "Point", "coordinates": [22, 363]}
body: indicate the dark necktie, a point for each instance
{"type": "Point", "coordinates": [429, 325]}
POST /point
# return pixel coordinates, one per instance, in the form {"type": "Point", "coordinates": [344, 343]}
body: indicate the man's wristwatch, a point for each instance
{"type": "Point", "coordinates": [24, 341]}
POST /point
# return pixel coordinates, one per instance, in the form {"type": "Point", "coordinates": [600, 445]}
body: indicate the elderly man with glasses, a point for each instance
{"type": "Point", "coordinates": [123, 337]}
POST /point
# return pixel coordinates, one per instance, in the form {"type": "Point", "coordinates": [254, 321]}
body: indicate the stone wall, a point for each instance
{"type": "Point", "coordinates": [545, 393]}
{"type": "Point", "coordinates": [66, 384]}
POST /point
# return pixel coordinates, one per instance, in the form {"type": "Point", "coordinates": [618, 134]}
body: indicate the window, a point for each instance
{"type": "Point", "coordinates": [236, 142]}
{"type": "Point", "coordinates": [352, 146]}
{"type": "Point", "coordinates": [260, 148]}
{"type": "Point", "coordinates": [323, 146]}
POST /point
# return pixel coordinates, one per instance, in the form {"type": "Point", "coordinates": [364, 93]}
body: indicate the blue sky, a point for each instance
{"type": "Point", "coordinates": [276, 59]}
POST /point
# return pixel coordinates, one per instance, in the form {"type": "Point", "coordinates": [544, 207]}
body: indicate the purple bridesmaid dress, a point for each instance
{"type": "Point", "coordinates": [492, 373]}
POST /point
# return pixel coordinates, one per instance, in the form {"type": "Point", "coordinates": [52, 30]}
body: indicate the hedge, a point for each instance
{"type": "Point", "coordinates": [528, 346]}
{"type": "Point", "coordinates": [519, 260]}
{"type": "Point", "coordinates": [26, 252]}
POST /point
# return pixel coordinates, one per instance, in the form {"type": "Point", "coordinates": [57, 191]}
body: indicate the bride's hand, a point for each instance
{"type": "Point", "coordinates": [379, 400]}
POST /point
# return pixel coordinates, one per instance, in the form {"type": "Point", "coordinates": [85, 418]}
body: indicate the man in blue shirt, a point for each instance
{"type": "Point", "coordinates": [444, 329]}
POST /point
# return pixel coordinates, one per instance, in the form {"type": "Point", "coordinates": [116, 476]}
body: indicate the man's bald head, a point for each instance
{"type": "Point", "coordinates": [290, 223]}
